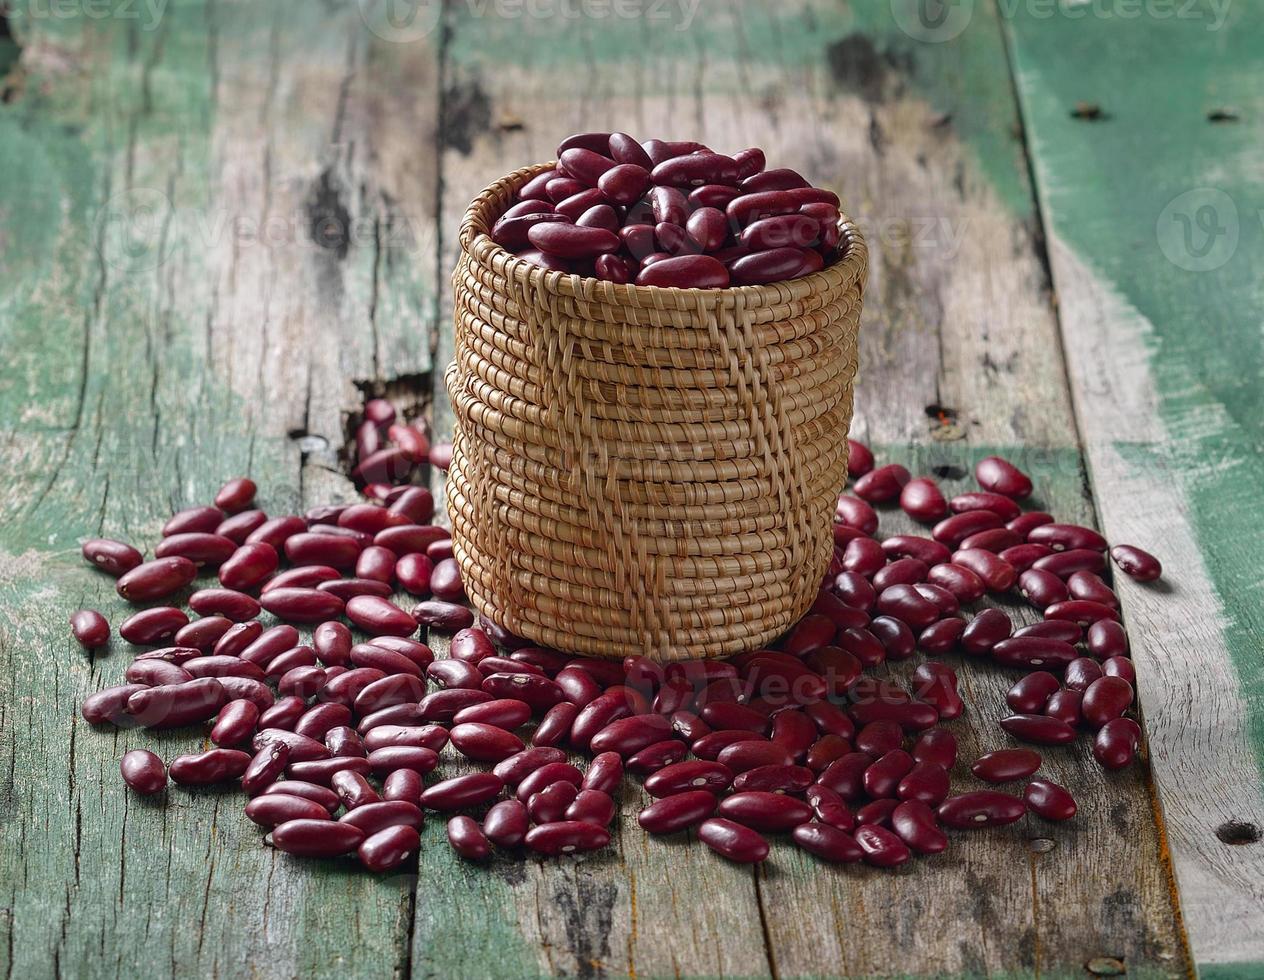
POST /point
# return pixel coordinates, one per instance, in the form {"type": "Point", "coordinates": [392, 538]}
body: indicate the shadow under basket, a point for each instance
{"type": "Point", "coordinates": [640, 470]}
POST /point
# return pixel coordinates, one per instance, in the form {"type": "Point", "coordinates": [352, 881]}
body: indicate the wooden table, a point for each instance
{"type": "Point", "coordinates": [222, 225]}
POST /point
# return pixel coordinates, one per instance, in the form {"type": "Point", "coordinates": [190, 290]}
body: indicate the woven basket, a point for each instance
{"type": "Point", "coordinates": [639, 470]}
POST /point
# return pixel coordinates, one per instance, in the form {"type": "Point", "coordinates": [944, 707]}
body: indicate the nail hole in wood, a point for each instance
{"type": "Point", "coordinates": [1237, 832]}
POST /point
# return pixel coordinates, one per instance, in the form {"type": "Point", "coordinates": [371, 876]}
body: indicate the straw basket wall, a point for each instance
{"type": "Point", "coordinates": [640, 470]}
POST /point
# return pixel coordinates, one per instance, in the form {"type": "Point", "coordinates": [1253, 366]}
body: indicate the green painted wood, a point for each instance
{"type": "Point", "coordinates": [1153, 218]}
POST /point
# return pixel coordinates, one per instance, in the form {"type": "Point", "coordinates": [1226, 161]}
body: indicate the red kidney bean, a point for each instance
{"type": "Point", "coordinates": [89, 628]}
{"type": "Point", "coordinates": [730, 715]}
{"type": "Point", "coordinates": [957, 579]}
{"type": "Point", "coordinates": [302, 748]}
{"type": "Point", "coordinates": [203, 633]}
{"type": "Point", "coordinates": [301, 605]}
{"type": "Point", "coordinates": [415, 503]}
{"type": "Point", "coordinates": [951, 531]}
{"type": "Point", "coordinates": [855, 590]}
{"type": "Point", "coordinates": [323, 795]}
{"type": "Point", "coordinates": [506, 713]}
{"type": "Point", "coordinates": [1064, 564]}
{"type": "Point", "coordinates": [1065, 705]}
{"type": "Point", "coordinates": [743, 755]}
{"type": "Point", "coordinates": [997, 475]}
{"type": "Point", "coordinates": [211, 766]}
{"type": "Point", "coordinates": [143, 772]}
{"type": "Point", "coordinates": [391, 757]}
{"type": "Point", "coordinates": [996, 540]}
{"type": "Point", "coordinates": [154, 672]}
{"type": "Point", "coordinates": [303, 681]}
{"type": "Point", "coordinates": [825, 750]}
{"type": "Point", "coordinates": [749, 162]}
{"type": "Point", "coordinates": [845, 775]}
{"type": "Point", "coordinates": [283, 714]}
{"type": "Point", "coordinates": [1049, 800]}
{"type": "Point", "coordinates": [908, 605]}
{"type": "Point", "coordinates": [656, 756]}
{"type": "Point", "coordinates": [550, 804]}
{"type": "Point", "coordinates": [265, 768]}
{"type": "Point", "coordinates": [842, 615]}
{"type": "Point", "coordinates": [859, 458]}
{"type": "Point", "coordinates": [625, 149]}
{"type": "Point", "coordinates": [997, 503]}
{"type": "Point", "coordinates": [109, 704]}
{"type": "Point", "coordinates": [353, 789]}
{"type": "Point", "coordinates": [540, 692]}
{"type": "Point", "coordinates": [1087, 585]}
{"type": "Point", "coordinates": [794, 730]}
{"type": "Point", "coordinates": [410, 539]}
{"type": "Point", "coordinates": [1117, 743]}
{"type": "Point", "coordinates": [707, 228]}
{"type": "Point", "coordinates": [938, 746]}
{"type": "Point", "coordinates": [1081, 612]}
{"type": "Point", "coordinates": [417, 652]}
{"type": "Point", "coordinates": [193, 520]}
{"type": "Point", "coordinates": [926, 781]}
{"type": "Point", "coordinates": [388, 691]}
{"type": "Point", "coordinates": [240, 526]}
{"type": "Point", "coordinates": [200, 548]}
{"type": "Point", "coordinates": [305, 577]}
{"type": "Point", "coordinates": [263, 646]}
{"type": "Point", "coordinates": [376, 563]}
{"type": "Point", "coordinates": [316, 838]}
{"type": "Point", "coordinates": [997, 574]}
{"type": "Point", "coordinates": [445, 581]}
{"type": "Point", "coordinates": [1105, 699]}
{"type": "Point", "coordinates": [1120, 667]}
{"type": "Point", "coordinates": [828, 807]}
{"type": "Point", "coordinates": [506, 823]}
{"type": "Point", "coordinates": [912, 546]}
{"type": "Point", "coordinates": [799, 231]}
{"type": "Point", "coordinates": [111, 556]}
{"type": "Point", "coordinates": [274, 808]}
{"type": "Point", "coordinates": [433, 737]}
{"type": "Point", "coordinates": [881, 848]}
{"type": "Point", "coordinates": [942, 637]}
{"type": "Point", "coordinates": [571, 241]}
{"type": "Point", "coordinates": [1006, 765]}
{"type": "Point", "coordinates": [918, 827]}
{"type": "Point", "coordinates": [175, 705]}
{"type": "Point", "coordinates": [1032, 692]}
{"type": "Point", "coordinates": [516, 768]}
{"type": "Point", "coordinates": [1065, 537]}
{"type": "Point", "coordinates": [236, 495]}
{"type": "Point", "coordinates": [1106, 639]}
{"type": "Point", "coordinates": [1023, 524]}
{"type": "Point", "coordinates": [235, 723]}
{"type": "Point", "coordinates": [333, 550]}
{"type": "Point", "coordinates": [566, 837]}
{"type": "Point", "coordinates": [444, 617]}
{"type": "Point", "coordinates": [810, 633]}
{"type": "Point", "coordinates": [276, 531]}
{"type": "Point", "coordinates": [947, 603]}
{"type": "Point", "coordinates": [461, 792]}
{"type": "Point", "coordinates": [605, 773]}
{"type": "Point", "coordinates": [739, 844]}
{"type": "Point", "coordinates": [775, 779]}
{"type": "Point", "coordinates": [864, 556]}
{"type": "Point", "coordinates": [1024, 556]}
{"type": "Point", "coordinates": [782, 179]}
{"type": "Point", "coordinates": [614, 268]}
{"type": "Point", "coordinates": [1042, 589]}
{"type": "Point", "coordinates": [827, 842]}
{"type": "Point", "coordinates": [156, 579]}
{"type": "Point", "coordinates": [591, 806]}
{"type": "Point", "coordinates": [547, 775]}
{"type": "Point", "coordinates": [901, 571]}
{"type": "Point", "coordinates": [748, 207]}
{"type": "Point", "coordinates": [484, 743]}
{"type": "Point", "coordinates": [684, 777]}
{"type": "Point", "coordinates": [883, 777]}
{"type": "Point", "coordinates": [1029, 652]}
{"type": "Point", "coordinates": [1038, 729]}
{"type": "Point", "coordinates": [882, 484]}
{"type": "Point", "coordinates": [388, 848]}
{"type": "Point", "coordinates": [983, 808]}
{"type": "Point", "coordinates": [1135, 563]}
{"type": "Point", "coordinates": [912, 716]}
{"type": "Point", "coordinates": [923, 501]}
{"type": "Point", "coordinates": [442, 706]}
{"type": "Point", "coordinates": [685, 272]}
{"type": "Point", "coordinates": [248, 566]}
{"type": "Point", "coordinates": [555, 726]}
{"type": "Point", "coordinates": [695, 169]}
{"type": "Point", "coordinates": [674, 240]}
{"type": "Point", "coordinates": [343, 740]}
{"type": "Point", "coordinates": [586, 165]}
{"type": "Point", "coordinates": [236, 606]}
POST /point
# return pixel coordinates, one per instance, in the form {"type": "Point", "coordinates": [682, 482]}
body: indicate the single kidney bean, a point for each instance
{"type": "Point", "coordinates": [685, 272]}
{"type": "Point", "coordinates": [323, 795]}
{"type": "Point", "coordinates": [567, 837]}
{"type": "Point", "coordinates": [203, 633]}
{"type": "Point", "coordinates": [175, 705]}
{"type": "Point", "coordinates": [1120, 667]}
{"type": "Point", "coordinates": [923, 501]}
{"type": "Point", "coordinates": [708, 228]}
{"type": "Point", "coordinates": [674, 240]}
{"type": "Point", "coordinates": [810, 633]}
{"type": "Point", "coordinates": [1065, 705]}
{"type": "Point", "coordinates": [881, 779]}
{"type": "Point", "coordinates": [859, 458]}
{"type": "Point", "coordinates": [377, 615]}
{"type": "Point", "coordinates": [845, 775]}
{"type": "Point", "coordinates": [555, 726]}
{"type": "Point", "coordinates": [154, 672]}
{"type": "Point", "coordinates": [342, 740]}
{"type": "Point", "coordinates": [200, 548]}
{"type": "Point", "coordinates": [89, 628]}
{"type": "Point", "coordinates": [143, 772]}
{"type": "Point", "coordinates": [386, 692]}
{"type": "Point", "coordinates": [353, 789]}
{"type": "Point", "coordinates": [1049, 800]}
{"type": "Point", "coordinates": [591, 806]}
{"type": "Point", "coordinates": [572, 241]}
{"type": "Point", "coordinates": [918, 827]}
{"type": "Point", "coordinates": [997, 503]}
{"type": "Point", "coordinates": [471, 645]}
{"type": "Point", "coordinates": [547, 775]}
{"type": "Point", "coordinates": [433, 737]}
{"type": "Point", "coordinates": [827, 842]}
{"type": "Point", "coordinates": [1106, 639]}
{"type": "Point", "coordinates": [749, 162]}
{"type": "Point", "coordinates": [325, 548]}
{"type": "Point", "coordinates": [506, 713]}
{"type": "Point", "coordinates": [855, 590]}
{"type": "Point", "coordinates": [550, 804]}
{"type": "Point", "coordinates": [1105, 699]}
{"type": "Point", "coordinates": [739, 844]}
{"type": "Point", "coordinates": [415, 503]}
{"type": "Point", "coordinates": [983, 808]}
{"type": "Point", "coordinates": [863, 556]}
{"type": "Point", "coordinates": [236, 495]}
{"type": "Point", "coordinates": [775, 779]}
{"type": "Point", "coordinates": [1081, 612]}
{"type": "Point", "coordinates": [828, 807]}
{"type": "Point", "coordinates": [273, 808]}
{"type": "Point", "coordinates": [540, 692]}
{"type": "Point", "coordinates": [1135, 563]}
{"type": "Point", "coordinates": [942, 637]}
{"type": "Point", "coordinates": [762, 204]}
{"type": "Point", "coordinates": [408, 539]}
{"type": "Point", "coordinates": [1023, 524]}
{"type": "Point", "coordinates": [926, 781]}
{"type": "Point", "coordinates": [111, 556]}
{"type": "Point", "coordinates": [506, 823]}
{"type": "Point", "coordinates": [997, 574]}
{"type": "Point", "coordinates": [1024, 556]}
{"type": "Point", "coordinates": [996, 540]}
{"type": "Point", "coordinates": [957, 579]}
{"type": "Point", "coordinates": [605, 773]}
{"type": "Point", "coordinates": [376, 563]}
{"type": "Point", "coordinates": [684, 777]}
{"type": "Point", "coordinates": [694, 170]}
{"type": "Point", "coordinates": [235, 723]}
{"type": "Point", "coordinates": [1065, 537]}
{"type": "Point", "coordinates": [265, 768]}
{"type": "Point", "coordinates": [842, 615]}
{"type": "Point", "coordinates": [316, 838]}
{"type": "Point", "coordinates": [248, 566]}
{"type": "Point", "coordinates": [951, 531]}
{"type": "Point", "coordinates": [1033, 652]}
{"type": "Point", "coordinates": [317, 721]}
{"type": "Point", "coordinates": [901, 571]}
{"type": "Point", "coordinates": [444, 617]}
{"type": "Point", "coordinates": [517, 767]}
{"type": "Point", "coordinates": [937, 746]}
{"type": "Point", "coordinates": [442, 706]}
{"type": "Point", "coordinates": [265, 646]}
{"type": "Point", "coordinates": [882, 484]}
{"type": "Point", "coordinates": [881, 847]}
{"type": "Point", "coordinates": [302, 748]}
{"type": "Point", "coordinates": [743, 755]}
{"type": "Point", "coordinates": [301, 605]}
{"type": "Point", "coordinates": [799, 231]}
{"type": "Point", "coordinates": [211, 766]}
{"type": "Point", "coordinates": [461, 792]}
{"type": "Point", "coordinates": [912, 716]}
{"type": "Point", "coordinates": [1006, 765]}
{"type": "Point", "coordinates": [1117, 743]}
{"type": "Point", "coordinates": [276, 530]}
{"type": "Point", "coordinates": [586, 165]}
{"type": "Point", "coordinates": [228, 603]}
{"type": "Point", "coordinates": [193, 520]}
{"type": "Point", "coordinates": [388, 848]}
{"type": "Point", "coordinates": [614, 268]}
{"type": "Point", "coordinates": [240, 526]}
{"type": "Point", "coordinates": [825, 750]}
{"type": "Point", "coordinates": [109, 704]}
{"type": "Point", "coordinates": [625, 149]}
{"type": "Point", "coordinates": [1032, 692]}
{"type": "Point", "coordinates": [156, 579]}
{"type": "Point", "coordinates": [997, 475]}
{"type": "Point", "coordinates": [907, 604]}
{"type": "Point", "coordinates": [391, 757]}
{"type": "Point", "coordinates": [794, 730]}
{"type": "Point", "coordinates": [913, 546]}
{"type": "Point", "coordinates": [1064, 564]}
{"type": "Point", "coordinates": [283, 714]}
{"type": "Point", "coordinates": [445, 581]}
{"type": "Point", "coordinates": [414, 650]}
{"type": "Point", "coordinates": [1040, 729]}
{"type": "Point", "coordinates": [654, 757]}
{"type": "Point", "coordinates": [1087, 585]}
{"type": "Point", "coordinates": [484, 743]}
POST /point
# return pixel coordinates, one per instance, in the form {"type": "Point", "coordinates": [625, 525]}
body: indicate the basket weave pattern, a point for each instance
{"type": "Point", "coordinates": [641, 470]}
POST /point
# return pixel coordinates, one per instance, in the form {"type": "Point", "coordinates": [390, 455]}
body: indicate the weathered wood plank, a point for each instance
{"type": "Point", "coordinates": [196, 226]}
{"type": "Point", "coordinates": [1159, 304]}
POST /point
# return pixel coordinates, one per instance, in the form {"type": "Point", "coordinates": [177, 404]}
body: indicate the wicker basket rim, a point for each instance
{"type": "Point", "coordinates": [476, 241]}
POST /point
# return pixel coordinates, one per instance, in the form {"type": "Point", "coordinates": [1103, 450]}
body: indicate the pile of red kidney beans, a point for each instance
{"type": "Point", "coordinates": [664, 213]}
{"type": "Point", "coordinates": [335, 738]}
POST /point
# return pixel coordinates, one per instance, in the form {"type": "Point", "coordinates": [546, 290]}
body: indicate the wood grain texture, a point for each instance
{"type": "Point", "coordinates": [1159, 301]}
